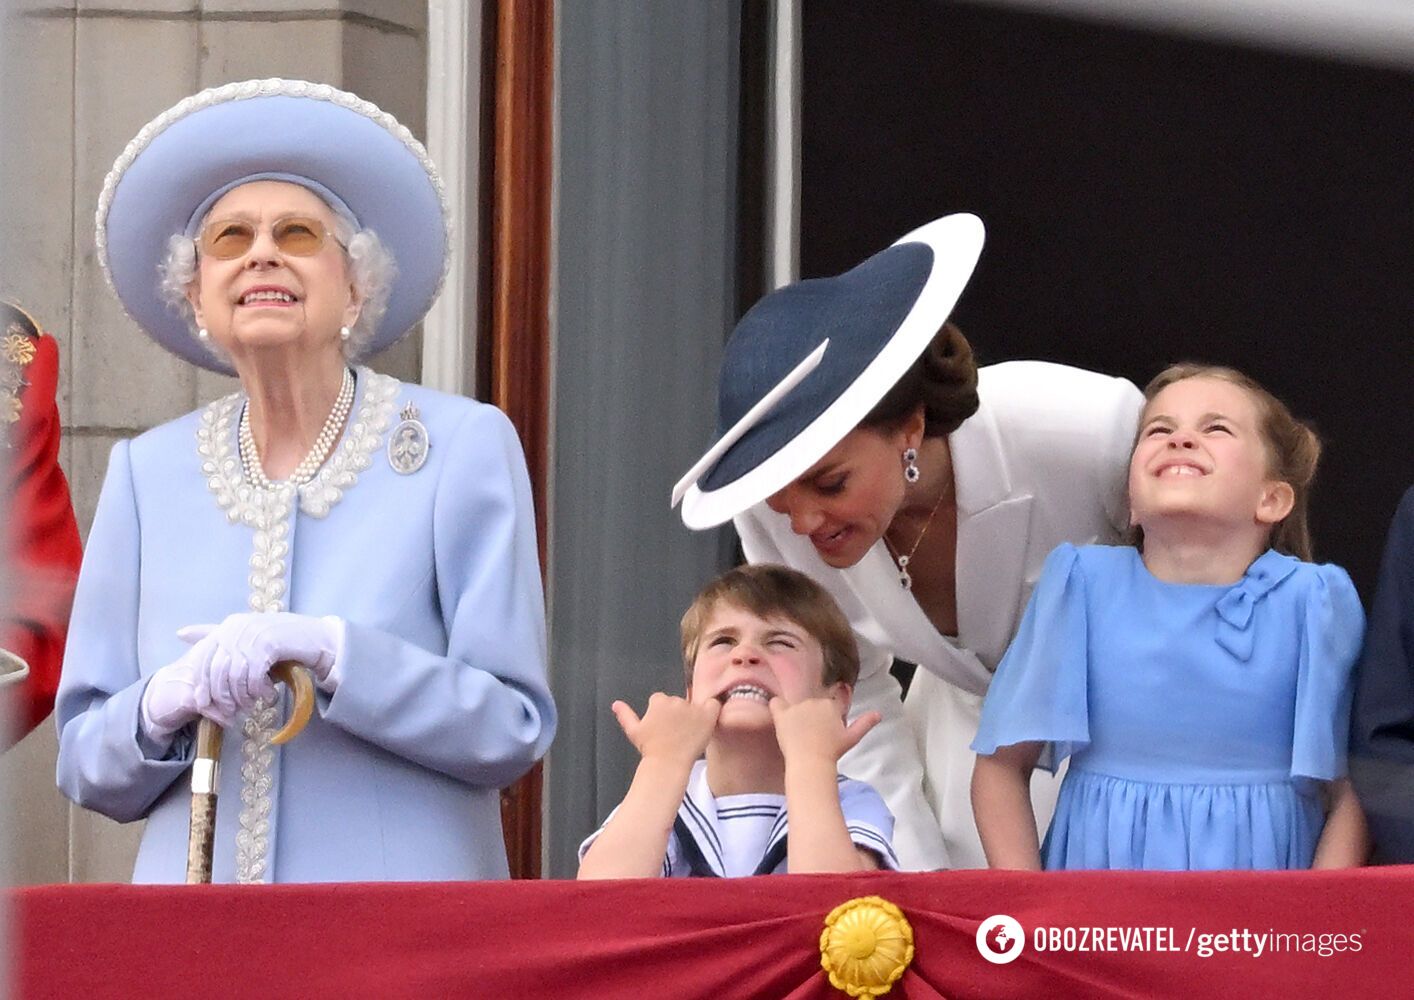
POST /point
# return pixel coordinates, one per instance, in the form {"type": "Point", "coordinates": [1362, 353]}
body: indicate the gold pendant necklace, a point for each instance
{"type": "Point", "coordinates": [905, 580]}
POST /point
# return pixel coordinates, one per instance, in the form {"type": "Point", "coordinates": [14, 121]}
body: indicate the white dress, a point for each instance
{"type": "Point", "coordinates": [1043, 461]}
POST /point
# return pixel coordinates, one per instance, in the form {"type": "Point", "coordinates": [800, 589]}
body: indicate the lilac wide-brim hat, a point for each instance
{"type": "Point", "coordinates": [343, 148]}
{"type": "Point", "coordinates": [809, 361]}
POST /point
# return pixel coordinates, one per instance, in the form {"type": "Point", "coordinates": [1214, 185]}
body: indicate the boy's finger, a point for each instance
{"type": "Point", "coordinates": [777, 705]}
{"type": "Point", "coordinates": [857, 729]}
{"type": "Point", "coordinates": [625, 715]}
{"type": "Point", "coordinates": [712, 707]}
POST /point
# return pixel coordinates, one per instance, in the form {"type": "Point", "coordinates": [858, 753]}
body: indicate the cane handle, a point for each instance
{"type": "Point", "coordinates": [296, 678]}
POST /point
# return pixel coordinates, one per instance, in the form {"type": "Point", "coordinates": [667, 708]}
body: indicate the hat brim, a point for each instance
{"type": "Point", "coordinates": [956, 242]}
{"type": "Point", "coordinates": [214, 139]}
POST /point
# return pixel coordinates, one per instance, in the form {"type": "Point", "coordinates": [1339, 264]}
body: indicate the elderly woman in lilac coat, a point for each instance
{"type": "Point", "coordinates": [377, 533]}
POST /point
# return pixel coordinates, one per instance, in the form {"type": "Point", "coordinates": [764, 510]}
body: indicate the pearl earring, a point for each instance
{"type": "Point", "coordinates": [910, 464]}
{"type": "Point", "coordinates": [345, 333]}
{"type": "Point", "coordinates": [202, 335]}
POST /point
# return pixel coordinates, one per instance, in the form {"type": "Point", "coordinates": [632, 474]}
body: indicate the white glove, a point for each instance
{"type": "Point", "coordinates": [250, 643]}
{"type": "Point", "coordinates": [180, 693]}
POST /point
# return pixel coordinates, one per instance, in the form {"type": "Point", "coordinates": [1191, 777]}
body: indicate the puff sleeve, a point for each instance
{"type": "Point", "coordinates": [1332, 628]}
{"type": "Point", "coordinates": [1039, 692]}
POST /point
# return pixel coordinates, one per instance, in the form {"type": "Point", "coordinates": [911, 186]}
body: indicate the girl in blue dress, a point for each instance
{"type": "Point", "coordinates": [1199, 681]}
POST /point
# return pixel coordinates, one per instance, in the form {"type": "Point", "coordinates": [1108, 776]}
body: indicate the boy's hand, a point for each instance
{"type": "Point", "coordinates": [816, 727]}
{"type": "Point", "coordinates": [671, 728]}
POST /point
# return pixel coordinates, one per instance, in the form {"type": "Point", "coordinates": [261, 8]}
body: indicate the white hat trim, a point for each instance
{"type": "Point", "coordinates": [752, 417]}
{"type": "Point", "coordinates": [962, 236]}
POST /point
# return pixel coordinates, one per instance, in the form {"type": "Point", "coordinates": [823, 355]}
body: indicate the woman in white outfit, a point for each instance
{"type": "Point", "coordinates": [859, 442]}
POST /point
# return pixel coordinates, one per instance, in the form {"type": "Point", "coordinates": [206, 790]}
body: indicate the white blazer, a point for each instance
{"type": "Point", "coordinates": [1043, 461]}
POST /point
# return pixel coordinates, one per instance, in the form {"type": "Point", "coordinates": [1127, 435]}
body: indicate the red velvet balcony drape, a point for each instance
{"type": "Point", "coordinates": [747, 938]}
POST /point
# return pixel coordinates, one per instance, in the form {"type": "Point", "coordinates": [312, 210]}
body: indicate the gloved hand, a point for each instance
{"type": "Point", "coordinates": [180, 693]}
{"type": "Point", "coordinates": [250, 643]}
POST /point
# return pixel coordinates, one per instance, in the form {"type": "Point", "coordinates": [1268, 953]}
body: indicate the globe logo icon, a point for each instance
{"type": "Point", "coordinates": [1000, 939]}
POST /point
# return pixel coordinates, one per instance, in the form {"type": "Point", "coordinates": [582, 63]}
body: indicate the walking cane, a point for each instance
{"type": "Point", "coordinates": [201, 841]}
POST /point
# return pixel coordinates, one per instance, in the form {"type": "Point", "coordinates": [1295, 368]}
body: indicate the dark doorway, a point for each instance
{"type": "Point", "coordinates": [1149, 198]}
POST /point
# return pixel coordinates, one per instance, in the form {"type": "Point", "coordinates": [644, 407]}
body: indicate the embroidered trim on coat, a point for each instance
{"type": "Point", "coordinates": [268, 514]}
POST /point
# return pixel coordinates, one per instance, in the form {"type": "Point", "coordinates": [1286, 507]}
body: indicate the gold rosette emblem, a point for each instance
{"type": "Point", "coordinates": [16, 347]}
{"type": "Point", "coordinates": [866, 945]}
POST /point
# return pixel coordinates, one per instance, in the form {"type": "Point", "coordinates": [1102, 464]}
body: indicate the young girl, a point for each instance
{"type": "Point", "coordinates": [1200, 680]}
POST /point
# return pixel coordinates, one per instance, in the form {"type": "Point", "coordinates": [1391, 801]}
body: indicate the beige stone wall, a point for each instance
{"type": "Point", "coordinates": [77, 80]}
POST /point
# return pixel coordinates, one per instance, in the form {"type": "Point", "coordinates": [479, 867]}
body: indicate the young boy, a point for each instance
{"type": "Point", "coordinates": [771, 664]}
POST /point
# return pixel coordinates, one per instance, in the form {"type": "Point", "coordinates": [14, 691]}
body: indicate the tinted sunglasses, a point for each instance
{"type": "Point", "coordinates": [295, 235]}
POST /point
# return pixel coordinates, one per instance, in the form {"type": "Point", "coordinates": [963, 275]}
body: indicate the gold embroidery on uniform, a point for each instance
{"type": "Point", "coordinates": [18, 347]}
{"type": "Point", "coordinates": [16, 350]}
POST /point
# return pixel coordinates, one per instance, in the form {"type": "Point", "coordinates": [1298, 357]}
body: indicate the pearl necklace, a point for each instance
{"type": "Point", "coordinates": [323, 444]}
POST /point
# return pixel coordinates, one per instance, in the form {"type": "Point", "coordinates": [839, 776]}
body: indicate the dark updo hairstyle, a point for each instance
{"type": "Point", "coordinates": [943, 381]}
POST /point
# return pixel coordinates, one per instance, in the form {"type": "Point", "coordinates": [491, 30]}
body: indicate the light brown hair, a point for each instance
{"type": "Point", "coordinates": [770, 591]}
{"type": "Point", "coordinates": [1293, 449]}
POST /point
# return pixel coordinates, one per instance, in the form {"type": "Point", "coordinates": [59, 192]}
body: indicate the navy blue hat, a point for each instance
{"type": "Point", "coordinates": [809, 361]}
{"type": "Point", "coordinates": [355, 156]}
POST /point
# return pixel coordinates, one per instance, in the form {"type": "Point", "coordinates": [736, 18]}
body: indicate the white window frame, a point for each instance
{"type": "Point", "coordinates": [454, 143]}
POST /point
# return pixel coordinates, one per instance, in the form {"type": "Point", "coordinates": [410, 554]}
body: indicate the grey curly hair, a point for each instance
{"type": "Point", "coordinates": [371, 266]}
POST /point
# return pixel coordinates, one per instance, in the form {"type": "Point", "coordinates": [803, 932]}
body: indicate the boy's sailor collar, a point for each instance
{"type": "Point", "coordinates": [700, 840]}
{"type": "Point", "coordinates": [375, 404]}
{"type": "Point", "coordinates": [700, 837]}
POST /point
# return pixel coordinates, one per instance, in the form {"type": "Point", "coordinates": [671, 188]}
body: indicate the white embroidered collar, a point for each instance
{"type": "Point", "coordinates": [243, 501]}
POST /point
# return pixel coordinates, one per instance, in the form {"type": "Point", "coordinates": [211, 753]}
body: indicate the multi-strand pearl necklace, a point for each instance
{"type": "Point", "coordinates": [323, 444]}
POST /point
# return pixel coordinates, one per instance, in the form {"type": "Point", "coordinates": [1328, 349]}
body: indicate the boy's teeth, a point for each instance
{"type": "Point", "coordinates": [750, 691]}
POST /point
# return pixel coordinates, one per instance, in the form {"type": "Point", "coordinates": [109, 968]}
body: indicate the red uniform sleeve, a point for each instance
{"type": "Point", "coordinates": [43, 542]}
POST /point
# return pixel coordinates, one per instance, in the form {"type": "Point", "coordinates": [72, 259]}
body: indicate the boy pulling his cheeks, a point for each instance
{"type": "Point", "coordinates": [771, 663]}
